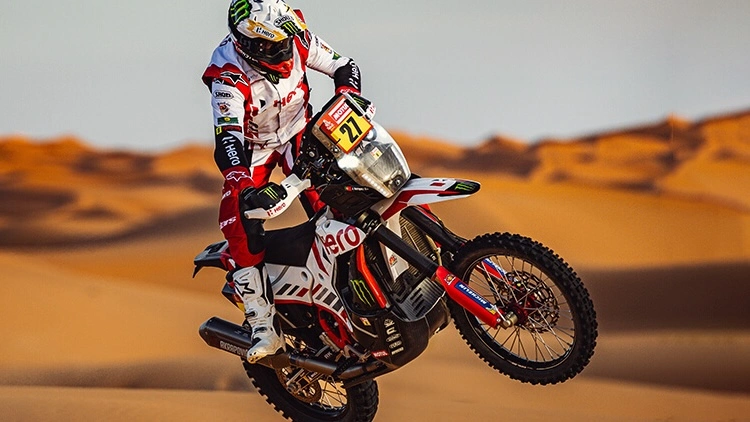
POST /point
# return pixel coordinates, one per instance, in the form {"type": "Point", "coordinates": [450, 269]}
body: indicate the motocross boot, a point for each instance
{"type": "Point", "coordinates": [253, 286]}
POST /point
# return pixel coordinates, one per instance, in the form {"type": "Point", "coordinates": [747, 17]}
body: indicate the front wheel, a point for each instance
{"type": "Point", "coordinates": [556, 331]}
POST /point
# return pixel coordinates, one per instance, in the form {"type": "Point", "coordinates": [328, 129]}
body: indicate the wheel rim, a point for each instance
{"type": "Point", "coordinates": [314, 389]}
{"type": "Point", "coordinates": [318, 392]}
{"type": "Point", "coordinates": [545, 333]}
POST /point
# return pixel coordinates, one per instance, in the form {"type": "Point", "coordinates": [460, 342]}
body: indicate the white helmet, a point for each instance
{"type": "Point", "coordinates": [263, 33]}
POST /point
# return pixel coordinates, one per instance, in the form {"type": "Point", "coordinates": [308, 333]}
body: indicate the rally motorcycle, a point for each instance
{"type": "Point", "coordinates": [362, 286]}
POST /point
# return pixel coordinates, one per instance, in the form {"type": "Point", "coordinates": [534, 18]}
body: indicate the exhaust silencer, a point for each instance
{"type": "Point", "coordinates": [235, 339]}
{"type": "Point", "coordinates": [226, 336]}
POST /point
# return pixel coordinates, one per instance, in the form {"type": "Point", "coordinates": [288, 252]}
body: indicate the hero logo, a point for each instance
{"type": "Point", "coordinates": [276, 210]}
{"type": "Point", "coordinates": [264, 32]}
{"type": "Point", "coordinates": [344, 240]}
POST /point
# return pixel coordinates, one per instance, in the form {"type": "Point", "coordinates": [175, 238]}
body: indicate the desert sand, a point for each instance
{"type": "Point", "coordinates": [100, 313]}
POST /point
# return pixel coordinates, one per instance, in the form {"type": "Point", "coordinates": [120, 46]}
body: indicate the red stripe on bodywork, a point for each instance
{"type": "Point", "coordinates": [369, 279]}
{"type": "Point", "coordinates": [316, 253]}
{"type": "Point", "coordinates": [402, 201]}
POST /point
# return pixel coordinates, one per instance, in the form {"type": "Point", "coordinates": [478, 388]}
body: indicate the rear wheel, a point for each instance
{"type": "Point", "coordinates": [305, 396]}
{"type": "Point", "coordinates": [556, 331]}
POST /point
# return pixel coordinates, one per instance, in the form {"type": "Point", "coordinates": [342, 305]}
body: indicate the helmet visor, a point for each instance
{"type": "Point", "coordinates": [271, 52]}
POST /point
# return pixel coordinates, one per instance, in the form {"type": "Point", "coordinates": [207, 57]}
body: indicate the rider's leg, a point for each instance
{"type": "Point", "coordinates": [247, 247]}
{"type": "Point", "coordinates": [252, 285]}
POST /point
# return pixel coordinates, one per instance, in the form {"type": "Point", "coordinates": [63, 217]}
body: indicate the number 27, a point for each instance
{"type": "Point", "coordinates": [346, 129]}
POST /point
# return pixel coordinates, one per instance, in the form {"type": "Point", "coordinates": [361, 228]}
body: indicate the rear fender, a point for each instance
{"type": "Point", "coordinates": [215, 255]}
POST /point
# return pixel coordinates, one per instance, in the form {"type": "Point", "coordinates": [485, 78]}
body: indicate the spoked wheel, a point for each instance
{"type": "Point", "coordinates": [555, 335]}
{"type": "Point", "coordinates": [305, 396]}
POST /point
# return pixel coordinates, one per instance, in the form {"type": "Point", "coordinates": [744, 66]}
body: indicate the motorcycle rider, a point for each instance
{"type": "Point", "coordinates": [259, 94]}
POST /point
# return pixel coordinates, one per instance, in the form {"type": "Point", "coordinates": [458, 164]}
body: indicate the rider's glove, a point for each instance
{"type": "Point", "coordinates": [265, 197]}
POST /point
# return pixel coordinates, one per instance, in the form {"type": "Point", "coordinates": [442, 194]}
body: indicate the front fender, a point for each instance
{"type": "Point", "coordinates": [422, 191]}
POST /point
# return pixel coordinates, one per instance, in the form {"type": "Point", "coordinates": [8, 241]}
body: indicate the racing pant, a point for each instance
{"type": "Point", "coordinates": [246, 236]}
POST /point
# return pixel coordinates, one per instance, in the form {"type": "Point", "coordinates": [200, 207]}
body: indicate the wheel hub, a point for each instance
{"type": "Point", "coordinates": [301, 384]}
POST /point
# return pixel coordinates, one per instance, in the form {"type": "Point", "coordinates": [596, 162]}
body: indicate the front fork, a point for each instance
{"type": "Point", "coordinates": [473, 302]}
{"type": "Point", "coordinates": [456, 289]}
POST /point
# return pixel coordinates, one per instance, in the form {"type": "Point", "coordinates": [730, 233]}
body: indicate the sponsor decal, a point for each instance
{"type": "Point", "coordinates": [223, 107]}
{"type": "Point", "coordinates": [392, 260]}
{"type": "Point", "coordinates": [240, 10]}
{"type": "Point", "coordinates": [287, 24]}
{"type": "Point", "coordinates": [221, 129]}
{"type": "Point", "coordinates": [476, 297]}
{"type": "Point", "coordinates": [276, 210]}
{"type": "Point", "coordinates": [237, 175]}
{"type": "Point", "coordinates": [340, 112]}
{"type": "Point", "coordinates": [345, 239]}
{"type": "Point", "coordinates": [449, 279]}
{"type": "Point", "coordinates": [287, 99]}
{"type": "Point", "coordinates": [290, 28]}
{"type": "Point", "coordinates": [466, 186]}
{"type": "Point", "coordinates": [380, 353]}
{"type": "Point", "coordinates": [227, 222]}
{"type": "Point", "coordinates": [282, 20]}
{"type": "Point", "coordinates": [232, 154]}
{"type": "Point", "coordinates": [270, 192]}
{"type": "Point", "coordinates": [363, 293]}
{"type": "Point", "coordinates": [226, 120]}
{"type": "Point", "coordinates": [328, 125]}
{"type": "Point", "coordinates": [231, 348]}
{"type": "Point", "coordinates": [395, 346]}
{"type": "Point", "coordinates": [233, 77]}
{"type": "Point", "coordinates": [325, 47]}
{"type": "Point", "coordinates": [263, 32]}
{"type": "Point", "coordinates": [223, 94]}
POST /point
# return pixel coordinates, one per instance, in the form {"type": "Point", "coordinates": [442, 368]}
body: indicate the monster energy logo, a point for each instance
{"type": "Point", "coordinates": [272, 77]}
{"type": "Point", "coordinates": [270, 192]}
{"type": "Point", "coordinates": [363, 293]}
{"type": "Point", "coordinates": [239, 10]}
{"type": "Point", "coordinates": [290, 28]}
{"type": "Point", "coordinates": [466, 187]}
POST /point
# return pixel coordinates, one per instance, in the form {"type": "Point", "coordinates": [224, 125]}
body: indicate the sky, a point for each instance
{"type": "Point", "coordinates": [127, 74]}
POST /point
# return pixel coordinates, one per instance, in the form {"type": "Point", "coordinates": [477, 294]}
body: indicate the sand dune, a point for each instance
{"type": "Point", "coordinates": [129, 351]}
{"type": "Point", "coordinates": [100, 313]}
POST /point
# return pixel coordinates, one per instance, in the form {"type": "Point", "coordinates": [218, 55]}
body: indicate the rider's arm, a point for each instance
{"type": "Point", "coordinates": [229, 89]}
{"type": "Point", "coordinates": [345, 73]}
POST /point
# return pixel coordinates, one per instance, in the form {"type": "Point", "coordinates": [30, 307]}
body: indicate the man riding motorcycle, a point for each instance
{"type": "Point", "coordinates": [260, 94]}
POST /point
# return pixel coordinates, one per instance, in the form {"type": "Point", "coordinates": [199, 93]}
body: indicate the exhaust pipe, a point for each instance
{"type": "Point", "coordinates": [235, 339]}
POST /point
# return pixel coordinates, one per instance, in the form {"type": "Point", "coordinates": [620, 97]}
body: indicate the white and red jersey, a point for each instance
{"type": "Point", "coordinates": [260, 112]}
{"type": "Point", "coordinates": [268, 114]}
